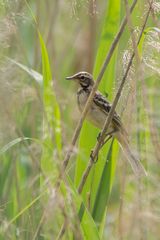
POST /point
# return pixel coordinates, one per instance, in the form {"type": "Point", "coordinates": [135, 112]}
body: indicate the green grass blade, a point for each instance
{"type": "Point", "coordinates": [111, 26]}
{"type": "Point", "coordinates": [100, 173]}
{"type": "Point", "coordinates": [88, 226]}
{"type": "Point", "coordinates": [34, 74]}
{"type": "Point", "coordinates": [52, 125]}
{"type": "Point", "coordinates": [20, 213]}
{"type": "Point", "coordinates": [11, 144]}
{"type": "Point", "coordinates": [105, 185]}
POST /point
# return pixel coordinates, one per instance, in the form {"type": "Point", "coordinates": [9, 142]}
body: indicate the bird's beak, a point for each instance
{"type": "Point", "coordinates": [73, 77]}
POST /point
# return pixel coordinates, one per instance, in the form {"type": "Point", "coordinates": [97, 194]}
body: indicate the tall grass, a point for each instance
{"type": "Point", "coordinates": [45, 41]}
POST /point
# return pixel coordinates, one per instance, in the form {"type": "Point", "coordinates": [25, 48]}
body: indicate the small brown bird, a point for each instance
{"type": "Point", "coordinates": [98, 113]}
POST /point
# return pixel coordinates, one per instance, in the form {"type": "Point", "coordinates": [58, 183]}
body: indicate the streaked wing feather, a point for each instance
{"type": "Point", "coordinates": [102, 102]}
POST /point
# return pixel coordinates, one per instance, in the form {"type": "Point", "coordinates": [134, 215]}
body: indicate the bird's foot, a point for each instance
{"type": "Point", "coordinates": [98, 137]}
{"type": "Point", "coordinates": [93, 158]}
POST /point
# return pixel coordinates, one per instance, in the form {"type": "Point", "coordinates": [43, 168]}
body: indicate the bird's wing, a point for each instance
{"type": "Point", "coordinates": [105, 106]}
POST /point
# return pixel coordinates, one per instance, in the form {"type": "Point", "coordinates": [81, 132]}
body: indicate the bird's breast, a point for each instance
{"type": "Point", "coordinates": [82, 97]}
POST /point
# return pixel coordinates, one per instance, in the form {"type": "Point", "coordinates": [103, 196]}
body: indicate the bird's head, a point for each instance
{"type": "Point", "coordinates": [85, 79]}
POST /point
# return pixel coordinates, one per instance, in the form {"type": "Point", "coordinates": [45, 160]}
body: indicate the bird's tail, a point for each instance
{"type": "Point", "coordinates": [134, 162]}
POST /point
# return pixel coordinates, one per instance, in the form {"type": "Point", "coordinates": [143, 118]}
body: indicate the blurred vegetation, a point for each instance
{"type": "Point", "coordinates": [57, 38]}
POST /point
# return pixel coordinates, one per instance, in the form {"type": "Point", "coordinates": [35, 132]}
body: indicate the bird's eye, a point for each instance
{"type": "Point", "coordinates": [82, 77]}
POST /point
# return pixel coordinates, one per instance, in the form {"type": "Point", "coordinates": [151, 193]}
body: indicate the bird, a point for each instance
{"type": "Point", "coordinates": [97, 114]}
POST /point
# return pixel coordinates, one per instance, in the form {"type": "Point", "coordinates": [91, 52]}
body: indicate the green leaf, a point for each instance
{"type": "Point", "coordinates": [104, 185]}
{"type": "Point", "coordinates": [11, 144]}
{"type": "Point", "coordinates": [88, 226]}
{"type": "Point", "coordinates": [21, 212]}
{"type": "Point", "coordinates": [34, 74]}
{"type": "Point", "coordinates": [52, 124]}
{"type": "Point", "coordinates": [102, 174]}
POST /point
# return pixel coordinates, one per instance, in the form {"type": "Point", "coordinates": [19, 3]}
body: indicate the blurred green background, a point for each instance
{"type": "Point", "coordinates": [59, 38]}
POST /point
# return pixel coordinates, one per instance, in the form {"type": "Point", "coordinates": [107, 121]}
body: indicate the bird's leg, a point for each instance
{"type": "Point", "coordinates": [98, 137]}
{"type": "Point", "coordinates": [93, 158]}
{"type": "Point", "coordinates": [108, 136]}
{"type": "Point", "coordinates": [106, 140]}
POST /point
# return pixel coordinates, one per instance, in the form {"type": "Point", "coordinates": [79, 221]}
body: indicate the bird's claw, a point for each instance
{"type": "Point", "coordinates": [94, 159]}
{"type": "Point", "coordinates": [98, 137]}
